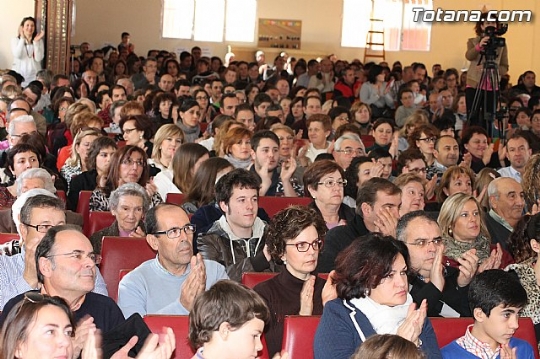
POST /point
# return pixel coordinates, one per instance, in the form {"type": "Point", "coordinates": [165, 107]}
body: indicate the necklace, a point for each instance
{"type": "Point", "coordinates": [26, 48]}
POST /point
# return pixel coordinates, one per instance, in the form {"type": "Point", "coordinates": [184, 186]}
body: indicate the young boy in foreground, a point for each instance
{"type": "Point", "coordinates": [496, 299]}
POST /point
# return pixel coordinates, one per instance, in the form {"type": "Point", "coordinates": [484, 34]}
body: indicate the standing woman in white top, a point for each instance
{"type": "Point", "coordinates": [28, 50]}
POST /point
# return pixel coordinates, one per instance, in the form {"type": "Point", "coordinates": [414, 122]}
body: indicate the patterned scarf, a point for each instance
{"type": "Point", "coordinates": [455, 249]}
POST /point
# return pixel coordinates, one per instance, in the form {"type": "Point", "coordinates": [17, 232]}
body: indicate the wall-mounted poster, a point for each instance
{"type": "Point", "coordinates": [280, 34]}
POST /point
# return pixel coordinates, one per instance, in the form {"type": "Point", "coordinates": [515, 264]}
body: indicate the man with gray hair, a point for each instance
{"type": "Point", "coordinates": [33, 178]}
{"type": "Point", "coordinates": [18, 273]}
{"type": "Point", "coordinates": [20, 106]}
{"type": "Point", "coordinates": [346, 148]}
{"type": "Point", "coordinates": [506, 204]}
{"type": "Point", "coordinates": [20, 126]}
{"type": "Point", "coordinates": [445, 288]}
{"type": "Point", "coordinates": [128, 85]}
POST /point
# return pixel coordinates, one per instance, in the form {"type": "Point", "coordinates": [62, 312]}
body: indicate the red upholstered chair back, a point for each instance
{"type": "Point", "coordinates": [83, 206]}
{"type": "Point", "coordinates": [97, 221]}
{"type": "Point", "coordinates": [175, 198]}
{"type": "Point", "coordinates": [6, 237]}
{"type": "Point", "coordinates": [251, 279]}
{"type": "Point", "coordinates": [449, 329]}
{"type": "Point", "coordinates": [180, 326]}
{"type": "Point", "coordinates": [367, 140]}
{"type": "Point", "coordinates": [298, 334]}
{"type": "Point", "coordinates": [62, 195]}
{"type": "Point", "coordinates": [273, 205]}
{"type": "Point", "coordinates": [122, 253]}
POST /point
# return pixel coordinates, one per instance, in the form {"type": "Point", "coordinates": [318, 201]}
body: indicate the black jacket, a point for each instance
{"type": "Point", "coordinates": [454, 296]}
{"type": "Point", "coordinates": [337, 239]}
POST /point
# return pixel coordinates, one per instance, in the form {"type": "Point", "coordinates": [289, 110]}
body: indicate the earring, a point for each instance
{"type": "Point", "coordinates": [366, 292]}
{"type": "Point", "coordinates": [141, 137]}
{"type": "Point", "coordinates": [450, 232]}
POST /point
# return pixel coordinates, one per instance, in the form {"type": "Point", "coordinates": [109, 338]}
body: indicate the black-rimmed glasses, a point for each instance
{"type": "Point", "coordinates": [41, 228]}
{"type": "Point", "coordinates": [176, 232]}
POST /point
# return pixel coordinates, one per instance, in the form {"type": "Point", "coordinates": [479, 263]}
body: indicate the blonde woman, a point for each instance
{"type": "Point", "coordinates": [166, 141]}
{"type": "Point", "coordinates": [76, 163]}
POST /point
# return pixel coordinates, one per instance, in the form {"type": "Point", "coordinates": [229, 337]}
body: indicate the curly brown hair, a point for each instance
{"type": "Point", "coordinates": [287, 224]}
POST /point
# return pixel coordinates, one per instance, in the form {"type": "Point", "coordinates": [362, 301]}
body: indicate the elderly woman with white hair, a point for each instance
{"type": "Point", "coordinates": [128, 204]}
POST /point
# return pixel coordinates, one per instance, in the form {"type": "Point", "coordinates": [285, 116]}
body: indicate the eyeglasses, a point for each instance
{"type": "Point", "coordinates": [34, 297]}
{"type": "Point", "coordinates": [201, 98]}
{"type": "Point", "coordinates": [428, 139]}
{"type": "Point", "coordinates": [41, 228]}
{"type": "Point", "coordinates": [304, 246]}
{"type": "Point", "coordinates": [176, 232]}
{"type": "Point", "coordinates": [331, 183]}
{"type": "Point", "coordinates": [422, 243]}
{"type": "Point", "coordinates": [79, 256]}
{"type": "Point", "coordinates": [130, 162]}
{"type": "Point", "coordinates": [350, 151]}
{"type": "Point", "coordinates": [127, 131]}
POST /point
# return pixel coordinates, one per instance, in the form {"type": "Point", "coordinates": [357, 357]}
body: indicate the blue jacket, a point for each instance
{"type": "Point", "coordinates": [455, 351]}
{"type": "Point", "coordinates": [337, 335]}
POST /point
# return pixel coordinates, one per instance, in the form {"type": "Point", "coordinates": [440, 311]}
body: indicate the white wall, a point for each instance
{"type": "Point", "coordinates": [13, 12]}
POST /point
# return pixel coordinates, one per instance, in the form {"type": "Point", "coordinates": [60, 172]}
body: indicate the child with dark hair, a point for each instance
{"type": "Point", "coordinates": [496, 298]}
{"type": "Point", "coordinates": [227, 322]}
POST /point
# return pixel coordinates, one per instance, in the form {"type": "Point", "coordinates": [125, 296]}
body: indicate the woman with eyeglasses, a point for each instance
{"type": "Point", "coordinates": [128, 165]}
{"type": "Point", "coordinates": [463, 228]}
{"type": "Point", "coordinates": [207, 111]}
{"type": "Point", "coordinates": [294, 237]}
{"type": "Point", "coordinates": [324, 181]}
{"type": "Point", "coordinates": [372, 298]}
{"type": "Point", "coordinates": [128, 204]}
{"type": "Point", "coordinates": [424, 137]}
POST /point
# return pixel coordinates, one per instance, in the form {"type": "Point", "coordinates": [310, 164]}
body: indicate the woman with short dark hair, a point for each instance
{"type": "Point", "coordinates": [372, 298]}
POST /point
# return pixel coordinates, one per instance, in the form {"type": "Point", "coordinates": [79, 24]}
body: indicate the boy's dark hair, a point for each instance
{"type": "Point", "coordinates": [237, 178]}
{"type": "Point", "coordinates": [378, 153]}
{"type": "Point", "coordinates": [259, 135]}
{"type": "Point", "coordinates": [261, 98]}
{"type": "Point", "coordinates": [226, 301]}
{"type": "Point", "coordinates": [494, 287]}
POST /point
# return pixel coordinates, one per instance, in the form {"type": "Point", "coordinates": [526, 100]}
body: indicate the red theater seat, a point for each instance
{"type": "Point", "coordinates": [273, 205]}
{"type": "Point", "coordinates": [97, 221]}
{"type": "Point", "coordinates": [298, 334]}
{"type": "Point", "coordinates": [449, 329]}
{"type": "Point", "coordinates": [6, 237]}
{"type": "Point", "coordinates": [121, 253]}
{"type": "Point", "coordinates": [83, 206]}
{"type": "Point", "coordinates": [175, 198]}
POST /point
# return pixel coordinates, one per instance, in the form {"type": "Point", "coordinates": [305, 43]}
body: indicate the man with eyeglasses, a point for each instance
{"type": "Point", "coordinates": [346, 148]}
{"type": "Point", "coordinates": [19, 107]}
{"type": "Point", "coordinates": [18, 273]}
{"type": "Point", "coordinates": [277, 177]}
{"type": "Point", "coordinates": [445, 288]}
{"type": "Point", "coordinates": [377, 210]}
{"type": "Point", "coordinates": [148, 76]}
{"type": "Point", "coordinates": [235, 239]}
{"type": "Point", "coordinates": [169, 283]}
{"type": "Point", "coordinates": [66, 267]}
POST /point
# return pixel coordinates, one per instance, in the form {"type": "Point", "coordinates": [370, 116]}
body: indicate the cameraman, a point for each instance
{"type": "Point", "coordinates": [475, 48]}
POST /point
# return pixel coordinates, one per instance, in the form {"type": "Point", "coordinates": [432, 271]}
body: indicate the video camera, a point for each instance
{"type": "Point", "coordinates": [495, 41]}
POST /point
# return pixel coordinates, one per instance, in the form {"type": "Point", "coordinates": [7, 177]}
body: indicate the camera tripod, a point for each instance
{"type": "Point", "coordinates": [483, 111]}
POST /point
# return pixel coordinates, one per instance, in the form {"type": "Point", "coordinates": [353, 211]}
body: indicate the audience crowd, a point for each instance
{"type": "Point", "coordinates": [416, 206]}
